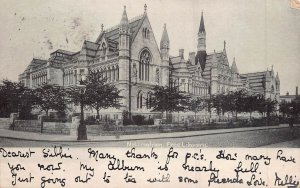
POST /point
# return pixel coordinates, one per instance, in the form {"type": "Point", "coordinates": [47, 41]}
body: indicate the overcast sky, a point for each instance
{"type": "Point", "coordinates": [258, 33]}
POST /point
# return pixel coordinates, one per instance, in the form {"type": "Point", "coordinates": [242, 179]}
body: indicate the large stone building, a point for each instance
{"type": "Point", "coordinates": [129, 56]}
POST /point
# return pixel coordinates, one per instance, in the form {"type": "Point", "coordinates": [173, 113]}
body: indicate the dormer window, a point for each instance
{"type": "Point", "coordinates": [146, 32]}
{"type": "Point", "coordinates": [103, 46]}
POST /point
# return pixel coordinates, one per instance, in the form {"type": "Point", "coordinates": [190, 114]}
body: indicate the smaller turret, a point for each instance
{"type": "Point", "coordinates": [165, 44]}
{"type": "Point", "coordinates": [234, 67]}
{"type": "Point", "coordinates": [124, 32]}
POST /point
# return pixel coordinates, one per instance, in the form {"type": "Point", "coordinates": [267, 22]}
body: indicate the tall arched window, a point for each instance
{"type": "Point", "coordinates": [139, 100]}
{"type": "Point", "coordinates": [113, 76]}
{"type": "Point", "coordinates": [149, 100]}
{"type": "Point", "coordinates": [117, 73]}
{"type": "Point", "coordinates": [104, 48]}
{"type": "Point", "coordinates": [144, 66]}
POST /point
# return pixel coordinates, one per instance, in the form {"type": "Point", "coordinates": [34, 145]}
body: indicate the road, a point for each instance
{"type": "Point", "coordinates": [249, 139]}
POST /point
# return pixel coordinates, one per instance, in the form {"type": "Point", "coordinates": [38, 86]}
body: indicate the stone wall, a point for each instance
{"type": "Point", "coordinates": [27, 125]}
{"type": "Point", "coordinates": [4, 123]}
{"type": "Point", "coordinates": [48, 127]}
{"type": "Point", "coordinates": [56, 128]}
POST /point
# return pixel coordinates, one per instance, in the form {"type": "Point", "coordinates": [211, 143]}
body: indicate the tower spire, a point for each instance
{"type": "Point", "coordinates": [202, 27]}
{"type": "Point", "coordinates": [201, 46]}
{"type": "Point", "coordinates": [145, 8]}
{"type": "Point", "coordinates": [124, 20]}
{"type": "Point", "coordinates": [164, 42]}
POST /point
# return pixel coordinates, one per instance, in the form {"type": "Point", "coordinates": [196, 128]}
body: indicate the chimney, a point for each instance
{"type": "Point", "coordinates": [181, 53]}
{"type": "Point", "coordinates": [287, 94]}
{"type": "Point", "coordinates": [296, 90]}
{"type": "Point", "coordinates": [192, 56]}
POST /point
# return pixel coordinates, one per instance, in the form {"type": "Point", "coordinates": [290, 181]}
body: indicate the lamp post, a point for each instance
{"type": "Point", "coordinates": [82, 128]}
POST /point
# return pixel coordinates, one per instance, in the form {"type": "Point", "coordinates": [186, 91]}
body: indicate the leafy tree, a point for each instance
{"type": "Point", "coordinates": [169, 99]}
{"type": "Point", "coordinates": [217, 104]}
{"type": "Point", "coordinates": [250, 104]}
{"type": "Point", "coordinates": [101, 94]}
{"type": "Point", "coordinates": [50, 97]}
{"type": "Point", "coordinates": [15, 98]}
{"type": "Point", "coordinates": [196, 105]}
{"type": "Point", "coordinates": [96, 93]}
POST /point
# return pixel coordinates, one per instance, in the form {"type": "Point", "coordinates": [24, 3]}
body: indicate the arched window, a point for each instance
{"type": "Point", "coordinates": [144, 66]}
{"type": "Point", "coordinates": [113, 77]}
{"type": "Point", "coordinates": [103, 46]}
{"type": "Point", "coordinates": [117, 73]}
{"type": "Point", "coordinates": [146, 33]}
{"type": "Point", "coordinates": [157, 75]}
{"type": "Point", "coordinates": [139, 102]}
{"type": "Point", "coordinates": [105, 74]}
{"type": "Point", "coordinates": [149, 100]}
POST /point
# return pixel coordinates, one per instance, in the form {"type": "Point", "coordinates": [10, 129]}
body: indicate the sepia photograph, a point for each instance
{"type": "Point", "coordinates": [187, 74]}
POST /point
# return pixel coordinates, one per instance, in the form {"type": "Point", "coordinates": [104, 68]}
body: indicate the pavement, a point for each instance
{"type": "Point", "coordinates": [30, 136]}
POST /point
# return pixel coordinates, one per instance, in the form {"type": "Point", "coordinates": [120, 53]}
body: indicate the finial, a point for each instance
{"type": "Point", "coordinates": [145, 8]}
{"type": "Point", "coordinates": [165, 26]}
{"type": "Point", "coordinates": [233, 59]}
{"type": "Point", "coordinates": [214, 51]}
{"type": "Point", "coordinates": [272, 67]}
{"type": "Point", "coordinates": [224, 44]}
{"type": "Point", "coordinates": [124, 7]}
{"type": "Point", "coordinates": [102, 26]}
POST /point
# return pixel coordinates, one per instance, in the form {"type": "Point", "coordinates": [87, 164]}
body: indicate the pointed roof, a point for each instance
{"type": "Point", "coordinates": [124, 20]}
{"type": "Point", "coordinates": [202, 27]}
{"type": "Point", "coordinates": [234, 67]}
{"type": "Point", "coordinates": [277, 77]}
{"type": "Point", "coordinates": [165, 37]}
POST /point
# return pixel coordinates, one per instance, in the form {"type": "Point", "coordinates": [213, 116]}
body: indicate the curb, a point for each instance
{"type": "Point", "coordinates": [132, 139]}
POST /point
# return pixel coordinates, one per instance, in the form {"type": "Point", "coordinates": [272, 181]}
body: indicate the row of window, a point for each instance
{"type": "Point", "coordinates": [143, 100]}
{"type": "Point", "coordinates": [39, 80]}
{"type": "Point", "coordinates": [111, 74]}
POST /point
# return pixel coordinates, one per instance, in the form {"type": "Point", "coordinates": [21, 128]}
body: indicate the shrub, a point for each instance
{"type": "Point", "coordinates": [138, 119]}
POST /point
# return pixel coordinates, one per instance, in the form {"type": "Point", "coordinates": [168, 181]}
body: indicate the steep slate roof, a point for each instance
{"type": "Point", "coordinates": [35, 63]}
{"type": "Point", "coordinates": [90, 48]}
{"type": "Point", "coordinates": [209, 60]}
{"type": "Point", "coordinates": [64, 52]}
{"type": "Point", "coordinates": [179, 65]}
{"type": "Point", "coordinates": [113, 33]}
{"type": "Point", "coordinates": [256, 80]}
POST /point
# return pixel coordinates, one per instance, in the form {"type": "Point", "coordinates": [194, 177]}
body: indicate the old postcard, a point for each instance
{"type": "Point", "coordinates": [154, 93]}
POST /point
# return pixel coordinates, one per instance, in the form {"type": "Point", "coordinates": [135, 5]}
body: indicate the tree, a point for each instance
{"type": "Point", "coordinates": [15, 98]}
{"type": "Point", "coordinates": [101, 94]}
{"type": "Point", "coordinates": [235, 102]}
{"type": "Point", "coordinates": [217, 104]}
{"type": "Point", "coordinates": [250, 104]}
{"type": "Point", "coordinates": [169, 99]}
{"type": "Point", "coordinates": [50, 97]}
{"type": "Point", "coordinates": [196, 105]}
{"type": "Point", "coordinates": [96, 94]}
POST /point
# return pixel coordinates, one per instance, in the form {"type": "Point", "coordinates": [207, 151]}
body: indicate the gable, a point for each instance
{"type": "Point", "coordinates": [139, 42]}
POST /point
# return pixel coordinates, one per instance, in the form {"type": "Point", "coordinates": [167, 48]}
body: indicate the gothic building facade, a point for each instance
{"type": "Point", "coordinates": [130, 58]}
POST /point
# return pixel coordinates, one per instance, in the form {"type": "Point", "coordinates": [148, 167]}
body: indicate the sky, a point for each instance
{"type": "Point", "coordinates": [258, 33]}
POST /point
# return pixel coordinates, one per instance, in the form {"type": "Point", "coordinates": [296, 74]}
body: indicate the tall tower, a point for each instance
{"type": "Point", "coordinates": [164, 50]}
{"type": "Point", "coordinates": [214, 75]}
{"type": "Point", "coordinates": [124, 35]}
{"type": "Point", "coordinates": [124, 63]}
{"type": "Point", "coordinates": [201, 47]}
